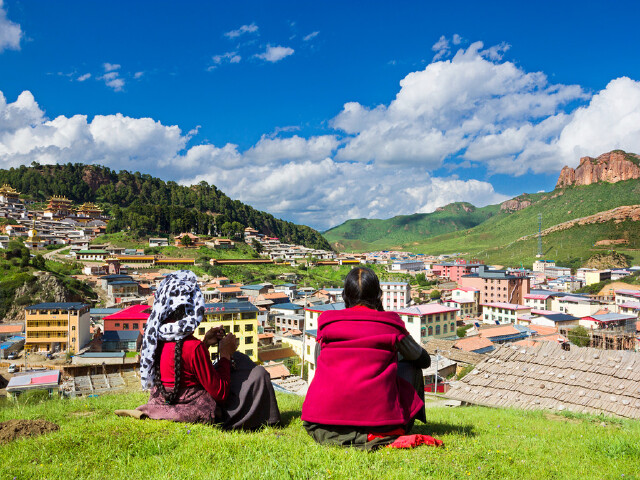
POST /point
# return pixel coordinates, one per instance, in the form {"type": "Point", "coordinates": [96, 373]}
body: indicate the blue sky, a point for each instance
{"type": "Point", "coordinates": [320, 112]}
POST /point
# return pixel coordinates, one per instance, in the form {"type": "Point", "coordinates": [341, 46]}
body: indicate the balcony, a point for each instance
{"type": "Point", "coordinates": [46, 328]}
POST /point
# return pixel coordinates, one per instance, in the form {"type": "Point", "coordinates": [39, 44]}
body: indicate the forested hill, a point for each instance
{"type": "Point", "coordinates": [149, 205]}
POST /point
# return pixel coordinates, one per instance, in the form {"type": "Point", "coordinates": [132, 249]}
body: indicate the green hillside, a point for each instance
{"type": "Point", "coordinates": [363, 234]}
{"type": "Point", "coordinates": [495, 239]}
{"type": "Point", "coordinates": [147, 205]}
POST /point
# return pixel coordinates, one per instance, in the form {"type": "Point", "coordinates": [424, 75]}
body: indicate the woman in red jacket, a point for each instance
{"type": "Point", "coordinates": [361, 395]}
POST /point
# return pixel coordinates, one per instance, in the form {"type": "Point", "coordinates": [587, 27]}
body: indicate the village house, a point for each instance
{"type": "Point", "coordinates": [330, 295]}
{"type": "Point", "coordinates": [475, 344]}
{"type": "Point", "coordinates": [505, 333]}
{"type": "Point", "coordinates": [311, 315]}
{"type": "Point", "coordinates": [120, 340]}
{"type": "Point", "coordinates": [130, 318]}
{"type": "Point", "coordinates": [158, 242]}
{"type": "Point", "coordinates": [57, 326]}
{"type": "Point", "coordinates": [407, 266]}
{"type": "Point", "coordinates": [465, 299]}
{"type": "Point", "coordinates": [454, 271]}
{"type": "Point", "coordinates": [613, 322]}
{"type": "Point", "coordinates": [430, 320]}
{"type": "Point", "coordinates": [239, 318]}
{"type": "Point", "coordinates": [289, 289]}
{"type": "Point", "coordinates": [92, 255]}
{"type": "Point", "coordinates": [194, 239]}
{"type": "Point", "coordinates": [540, 299]}
{"type": "Point", "coordinates": [395, 295]}
{"type": "Point", "coordinates": [597, 276]}
{"type": "Point", "coordinates": [575, 305]}
{"type": "Point", "coordinates": [288, 322]}
{"type": "Point", "coordinates": [502, 312]}
{"type": "Point", "coordinates": [541, 265]}
{"type": "Point", "coordinates": [253, 291]}
{"type": "Point", "coordinates": [122, 289]}
{"type": "Point", "coordinates": [48, 381]}
{"type": "Point", "coordinates": [497, 285]}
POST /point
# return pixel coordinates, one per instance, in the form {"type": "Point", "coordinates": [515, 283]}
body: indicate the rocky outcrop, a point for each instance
{"type": "Point", "coordinates": [611, 167]}
{"type": "Point", "coordinates": [603, 261]}
{"type": "Point", "coordinates": [45, 287]}
{"type": "Point", "coordinates": [617, 215]}
{"type": "Point", "coordinates": [515, 204]}
{"type": "Point", "coordinates": [94, 178]}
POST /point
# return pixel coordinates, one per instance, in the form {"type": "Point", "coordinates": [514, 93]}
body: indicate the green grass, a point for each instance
{"type": "Point", "coordinates": [479, 443]}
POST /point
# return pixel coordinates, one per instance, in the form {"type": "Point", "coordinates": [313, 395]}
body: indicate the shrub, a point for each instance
{"type": "Point", "coordinates": [579, 336]}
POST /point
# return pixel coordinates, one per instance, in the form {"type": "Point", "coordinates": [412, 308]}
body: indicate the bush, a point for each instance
{"type": "Point", "coordinates": [579, 336]}
{"type": "Point", "coordinates": [462, 331]}
{"type": "Point", "coordinates": [464, 371]}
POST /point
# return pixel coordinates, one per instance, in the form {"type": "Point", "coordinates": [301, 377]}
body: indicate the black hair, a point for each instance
{"type": "Point", "coordinates": [362, 287]}
{"type": "Point", "coordinates": [170, 397]}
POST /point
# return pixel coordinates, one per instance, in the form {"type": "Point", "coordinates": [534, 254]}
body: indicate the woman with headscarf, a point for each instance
{"type": "Point", "coordinates": [185, 385]}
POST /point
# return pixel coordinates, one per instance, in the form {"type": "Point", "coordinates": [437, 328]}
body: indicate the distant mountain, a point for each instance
{"type": "Point", "coordinates": [507, 233]}
{"type": "Point", "coordinates": [149, 205]}
{"type": "Point", "coordinates": [363, 234]}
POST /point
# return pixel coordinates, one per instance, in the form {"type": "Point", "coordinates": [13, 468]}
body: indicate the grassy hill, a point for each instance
{"type": "Point", "coordinates": [496, 239]}
{"type": "Point", "coordinates": [479, 443]}
{"type": "Point", "coordinates": [363, 234]}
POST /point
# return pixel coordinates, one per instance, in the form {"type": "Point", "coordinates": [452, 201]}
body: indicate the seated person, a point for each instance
{"type": "Point", "coordinates": [185, 385]}
{"type": "Point", "coordinates": [361, 395]}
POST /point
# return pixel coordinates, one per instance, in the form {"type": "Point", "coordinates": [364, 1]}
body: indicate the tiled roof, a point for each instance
{"type": "Point", "coordinates": [471, 344]}
{"type": "Point", "coordinates": [426, 309]}
{"type": "Point", "coordinates": [445, 348]}
{"type": "Point", "coordinates": [543, 329]}
{"type": "Point", "coordinates": [326, 306]}
{"type": "Point", "coordinates": [508, 306]}
{"type": "Point", "coordinates": [583, 380]}
{"type": "Point", "coordinates": [11, 328]}
{"type": "Point", "coordinates": [134, 312]}
{"type": "Point", "coordinates": [277, 371]}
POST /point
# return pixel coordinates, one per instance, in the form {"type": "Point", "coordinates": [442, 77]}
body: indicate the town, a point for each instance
{"type": "Point", "coordinates": [460, 310]}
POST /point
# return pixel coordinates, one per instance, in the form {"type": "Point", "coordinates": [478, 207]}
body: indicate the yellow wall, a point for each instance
{"type": "Point", "coordinates": [246, 329]}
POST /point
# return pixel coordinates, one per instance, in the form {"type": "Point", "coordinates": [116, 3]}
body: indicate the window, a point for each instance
{"type": "Point", "coordinates": [444, 328]}
{"type": "Point", "coordinates": [201, 331]}
{"type": "Point", "coordinates": [248, 339]}
{"type": "Point", "coordinates": [144, 325]}
{"type": "Point", "coordinates": [117, 324]}
{"type": "Point", "coordinates": [125, 326]}
{"type": "Point", "coordinates": [452, 326]}
{"type": "Point", "coordinates": [136, 326]}
{"type": "Point", "coordinates": [236, 328]}
{"type": "Point", "coordinates": [249, 352]}
{"type": "Point", "coordinates": [437, 329]}
{"type": "Point", "coordinates": [248, 327]}
{"type": "Point", "coordinates": [308, 349]}
{"type": "Point", "coordinates": [73, 327]}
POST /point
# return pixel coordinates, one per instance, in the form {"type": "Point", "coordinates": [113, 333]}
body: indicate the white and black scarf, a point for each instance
{"type": "Point", "coordinates": [178, 288]}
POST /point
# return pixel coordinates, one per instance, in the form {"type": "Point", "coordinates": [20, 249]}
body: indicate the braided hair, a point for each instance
{"type": "Point", "coordinates": [170, 397]}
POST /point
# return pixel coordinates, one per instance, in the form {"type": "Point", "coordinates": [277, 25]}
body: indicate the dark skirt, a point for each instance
{"type": "Point", "coordinates": [251, 401]}
{"type": "Point", "coordinates": [345, 435]}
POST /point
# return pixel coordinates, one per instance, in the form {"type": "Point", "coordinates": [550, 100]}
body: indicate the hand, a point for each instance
{"type": "Point", "coordinates": [227, 346]}
{"type": "Point", "coordinates": [213, 336]}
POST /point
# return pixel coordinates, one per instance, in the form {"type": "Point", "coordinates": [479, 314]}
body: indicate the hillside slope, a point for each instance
{"type": "Point", "coordinates": [363, 234]}
{"type": "Point", "coordinates": [148, 204]}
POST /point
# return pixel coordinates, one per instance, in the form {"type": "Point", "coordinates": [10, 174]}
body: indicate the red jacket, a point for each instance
{"type": "Point", "coordinates": [356, 381]}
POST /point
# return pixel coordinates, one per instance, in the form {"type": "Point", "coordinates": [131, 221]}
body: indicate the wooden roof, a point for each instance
{"type": "Point", "coordinates": [445, 348]}
{"type": "Point", "coordinates": [585, 380]}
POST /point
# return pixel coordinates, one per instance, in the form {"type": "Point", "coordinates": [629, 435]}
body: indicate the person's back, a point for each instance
{"type": "Point", "coordinates": [358, 387]}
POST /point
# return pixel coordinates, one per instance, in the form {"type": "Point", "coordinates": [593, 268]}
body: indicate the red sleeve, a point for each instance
{"type": "Point", "coordinates": [214, 380]}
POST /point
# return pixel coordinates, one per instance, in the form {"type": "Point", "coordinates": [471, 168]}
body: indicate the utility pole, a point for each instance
{"type": "Point", "coordinates": [304, 332]}
{"type": "Point", "coordinates": [435, 390]}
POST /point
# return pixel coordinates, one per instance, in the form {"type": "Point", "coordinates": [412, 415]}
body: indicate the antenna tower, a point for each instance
{"type": "Point", "coordinates": [539, 236]}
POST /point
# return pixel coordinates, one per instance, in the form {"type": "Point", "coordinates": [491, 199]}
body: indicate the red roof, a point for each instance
{"type": "Point", "coordinates": [499, 331]}
{"type": "Point", "coordinates": [10, 328]}
{"type": "Point", "coordinates": [470, 344]}
{"type": "Point", "coordinates": [134, 312]}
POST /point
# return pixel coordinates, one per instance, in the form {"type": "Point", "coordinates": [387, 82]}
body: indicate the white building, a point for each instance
{"type": "Point", "coordinates": [407, 265]}
{"type": "Point", "coordinates": [428, 321]}
{"type": "Point", "coordinates": [395, 295]}
{"type": "Point", "coordinates": [502, 312]}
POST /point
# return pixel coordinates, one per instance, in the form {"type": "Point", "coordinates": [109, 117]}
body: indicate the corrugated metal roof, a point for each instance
{"type": "Point", "coordinates": [58, 305]}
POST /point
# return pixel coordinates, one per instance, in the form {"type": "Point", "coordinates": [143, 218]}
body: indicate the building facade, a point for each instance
{"type": "Point", "coordinates": [498, 285]}
{"type": "Point", "coordinates": [57, 326]}
{"type": "Point", "coordinates": [429, 321]}
{"type": "Point", "coordinates": [395, 295]}
{"type": "Point", "coordinates": [239, 318]}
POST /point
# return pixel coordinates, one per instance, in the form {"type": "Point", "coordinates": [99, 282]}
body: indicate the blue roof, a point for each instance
{"type": "Point", "coordinates": [558, 317]}
{"type": "Point", "coordinates": [252, 287]}
{"type": "Point", "coordinates": [102, 354]}
{"type": "Point", "coordinates": [113, 276]}
{"type": "Point", "coordinates": [327, 306]}
{"type": "Point", "coordinates": [104, 311]}
{"type": "Point", "coordinates": [313, 333]}
{"type": "Point", "coordinates": [123, 282]}
{"type": "Point", "coordinates": [286, 285]}
{"type": "Point", "coordinates": [230, 307]}
{"type": "Point", "coordinates": [58, 305]}
{"type": "Point", "coordinates": [120, 336]}
{"type": "Point", "coordinates": [288, 306]}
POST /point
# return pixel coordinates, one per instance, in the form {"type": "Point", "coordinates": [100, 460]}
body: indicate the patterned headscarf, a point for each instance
{"type": "Point", "coordinates": [178, 288]}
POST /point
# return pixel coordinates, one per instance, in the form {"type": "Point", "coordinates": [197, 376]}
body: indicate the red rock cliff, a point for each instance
{"type": "Point", "coordinates": [609, 167]}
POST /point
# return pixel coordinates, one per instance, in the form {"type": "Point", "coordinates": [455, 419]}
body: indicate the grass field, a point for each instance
{"type": "Point", "coordinates": [92, 443]}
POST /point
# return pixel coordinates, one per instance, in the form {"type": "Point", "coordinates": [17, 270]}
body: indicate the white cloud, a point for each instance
{"type": "Point", "coordinates": [311, 36]}
{"type": "Point", "coordinates": [469, 106]}
{"type": "Point", "coordinates": [10, 32]}
{"type": "Point", "coordinates": [138, 75]}
{"type": "Point", "coordinates": [112, 77]}
{"type": "Point", "coordinates": [110, 67]}
{"type": "Point", "coordinates": [84, 77]}
{"type": "Point", "coordinates": [610, 121]}
{"type": "Point", "coordinates": [295, 148]}
{"type": "Point", "coordinates": [275, 54]}
{"type": "Point", "coordinates": [252, 28]}
{"type": "Point", "coordinates": [441, 47]}
{"type": "Point", "coordinates": [457, 39]}
{"type": "Point", "coordinates": [229, 57]}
